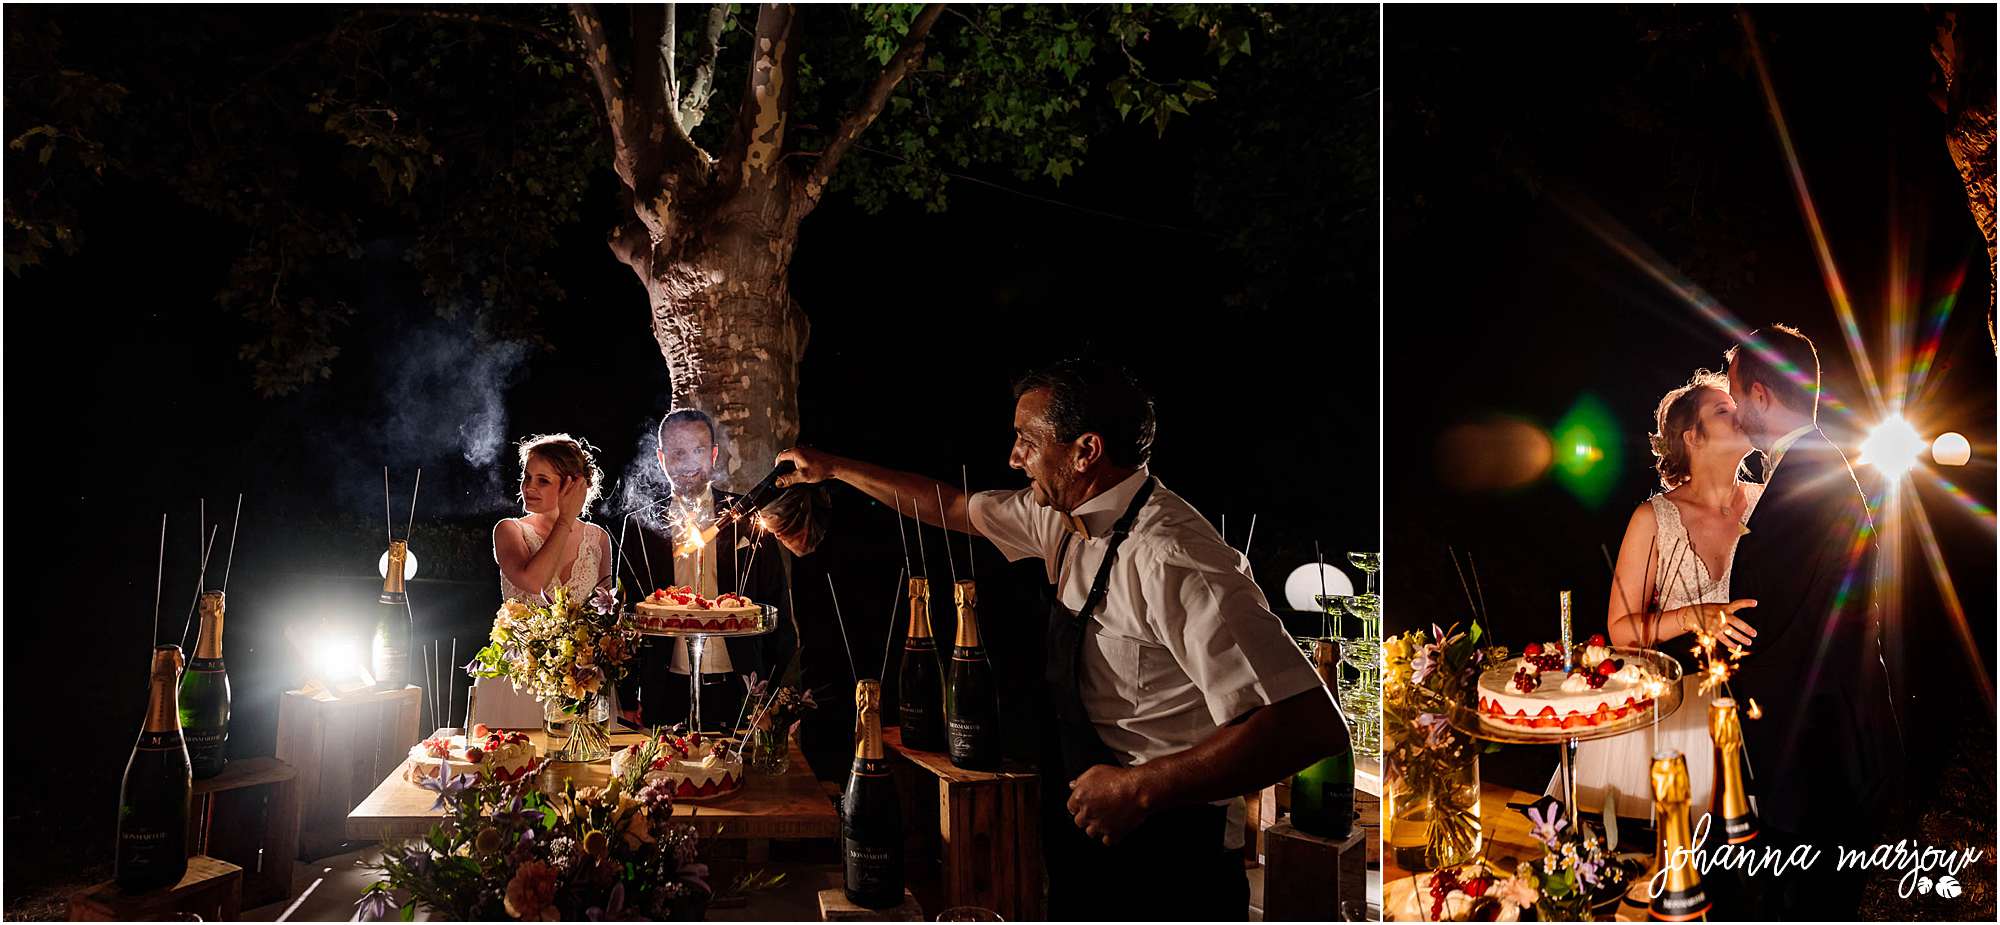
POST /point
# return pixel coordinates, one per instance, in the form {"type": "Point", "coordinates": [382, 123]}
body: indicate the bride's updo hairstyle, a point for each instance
{"type": "Point", "coordinates": [569, 456]}
{"type": "Point", "coordinates": [1680, 410]}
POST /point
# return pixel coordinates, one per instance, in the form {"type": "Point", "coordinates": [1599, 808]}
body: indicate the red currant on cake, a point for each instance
{"type": "Point", "coordinates": [1597, 679]}
{"type": "Point", "coordinates": [1525, 682]}
{"type": "Point", "coordinates": [1597, 639]}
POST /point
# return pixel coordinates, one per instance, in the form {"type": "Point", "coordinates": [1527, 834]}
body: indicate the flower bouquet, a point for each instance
{"type": "Point", "coordinates": [564, 654]}
{"type": "Point", "coordinates": [506, 851]}
{"type": "Point", "coordinates": [768, 748]}
{"type": "Point", "coordinates": [1432, 769]}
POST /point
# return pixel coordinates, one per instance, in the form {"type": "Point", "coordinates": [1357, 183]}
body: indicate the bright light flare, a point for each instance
{"type": "Point", "coordinates": [1951, 449]}
{"type": "Point", "coordinates": [1308, 581]}
{"type": "Point", "coordinates": [1892, 447]}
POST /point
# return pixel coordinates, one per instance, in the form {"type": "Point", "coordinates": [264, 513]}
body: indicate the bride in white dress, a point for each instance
{"type": "Point", "coordinates": [1672, 577]}
{"type": "Point", "coordinates": [549, 547]}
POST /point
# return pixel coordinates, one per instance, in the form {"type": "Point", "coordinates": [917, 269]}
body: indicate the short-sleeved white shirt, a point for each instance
{"type": "Point", "coordinates": [1184, 642]}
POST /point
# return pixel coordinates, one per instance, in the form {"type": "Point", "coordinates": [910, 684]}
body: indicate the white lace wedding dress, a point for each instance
{"type": "Point", "coordinates": [494, 700]}
{"type": "Point", "coordinates": [1625, 762]}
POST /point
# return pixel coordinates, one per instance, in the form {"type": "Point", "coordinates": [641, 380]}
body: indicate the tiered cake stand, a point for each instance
{"type": "Point", "coordinates": [767, 620]}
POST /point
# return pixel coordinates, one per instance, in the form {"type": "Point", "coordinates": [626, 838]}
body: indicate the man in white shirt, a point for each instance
{"type": "Point", "coordinates": [1176, 688]}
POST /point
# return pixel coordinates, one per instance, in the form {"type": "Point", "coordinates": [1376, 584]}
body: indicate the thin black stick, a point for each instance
{"type": "Point", "coordinates": [895, 601]}
{"type": "Point", "coordinates": [1485, 616]}
{"type": "Point", "coordinates": [837, 618]}
{"type": "Point", "coordinates": [159, 577]}
{"type": "Point", "coordinates": [947, 537]}
{"type": "Point", "coordinates": [413, 504]}
{"type": "Point", "coordinates": [187, 626]}
{"type": "Point", "coordinates": [1467, 588]}
{"type": "Point", "coordinates": [233, 524]}
{"type": "Point", "coordinates": [1325, 631]}
{"type": "Point", "coordinates": [900, 533]}
{"type": "Point", "coordinates": [971, 557]}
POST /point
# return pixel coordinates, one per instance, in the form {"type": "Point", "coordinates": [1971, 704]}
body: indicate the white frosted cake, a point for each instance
{"type": "Point", "coordinates": [505, 755]}
{"type": "Point", "coordinates": [683, 608]}
{"type": "Point", "coordinates": [1533, 694]}
{"type": "Point", "coordinates": [699, 767]}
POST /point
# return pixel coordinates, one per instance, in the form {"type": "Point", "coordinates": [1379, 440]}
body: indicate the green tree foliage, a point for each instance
{"type": "Point", "coordinates": [467, 139]}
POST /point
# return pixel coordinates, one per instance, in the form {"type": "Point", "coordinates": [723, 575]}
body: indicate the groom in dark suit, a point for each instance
{"type": "Point", "coordinates": [1827, 754]}
{"type": "Point", "coordinates": [738, 559]}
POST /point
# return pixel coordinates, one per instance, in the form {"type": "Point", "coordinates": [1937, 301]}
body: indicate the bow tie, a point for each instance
{"type": "Point", "coordinates": [1075, 524]}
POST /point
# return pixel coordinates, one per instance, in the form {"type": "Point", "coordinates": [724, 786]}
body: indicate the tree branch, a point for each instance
{"type": "Point", "coordinates": [597, 57]}
{"type": "Point", "coordinates": [694, 106]}
{"type": "Point", "coordinates": [856, 122]}
{"type": "Point", "coordinates": [669, 78]}
{"type": "Point", "coordinates": [545, 36]}
{"type": "Point", "coordinates": [767, 98]}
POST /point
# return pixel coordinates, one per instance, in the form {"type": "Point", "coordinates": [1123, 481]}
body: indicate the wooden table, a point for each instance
{"type": "Point", "coordinates": [789, 806]}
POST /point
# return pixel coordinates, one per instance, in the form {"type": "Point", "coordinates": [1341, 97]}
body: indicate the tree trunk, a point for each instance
{"type": "Point", "coordinates": [1963, 50]}
{"type": "Point", "coordinates": [728, 329]}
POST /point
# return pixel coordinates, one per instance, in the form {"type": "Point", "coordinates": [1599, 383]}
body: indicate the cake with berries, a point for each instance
{"type": "Point", "coordinates": [1534, 694]}
{"type": "Point", "coordinates": [683, 608]}
{"type": "Point", "coordinates": [698, 767]}
{"type": "Point", "coordinates": [502, 754]}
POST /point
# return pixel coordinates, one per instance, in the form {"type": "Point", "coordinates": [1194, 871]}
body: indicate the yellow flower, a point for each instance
{"type": "Point", "coordinates": [597, 844]}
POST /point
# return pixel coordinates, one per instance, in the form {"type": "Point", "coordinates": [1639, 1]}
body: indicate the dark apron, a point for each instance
{"type": "Point", "coordinates": [1173, 866]}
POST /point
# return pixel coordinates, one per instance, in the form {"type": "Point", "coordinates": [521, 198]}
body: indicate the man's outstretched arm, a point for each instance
{"type": "Point", "coordinates": [918, 494]}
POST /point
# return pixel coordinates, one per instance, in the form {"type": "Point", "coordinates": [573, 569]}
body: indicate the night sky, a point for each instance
{"type": "Point", "coordinates": [1500, 303]}
{"type": "Point", "coordinates": [127, 399]}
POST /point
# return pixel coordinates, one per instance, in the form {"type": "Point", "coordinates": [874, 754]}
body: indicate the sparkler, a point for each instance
{"type": "Point", "coordinates": [233, 524]}
{"type": "Point", "coordinates": [187, 628]}
{"type": "Point", "coordinates": [895, 601]}
{"type": "Point", "coordinates": [388, 531]}
{"type": "Point", "coordinates": [413, 503]}
{"type": "Point", "coordinates": [946, 522]}
{"type": "Point", "coordinates": [837, 618]}
{"type": "Point", "coordinates": [900, 535]}
{"type": "Point", "coordinates": [971, 559]}
{"type": "Point", "coordinates": [451, 687]}
{"type": "Point", "coordinates": [159, 578]}
{"type": "Point", "coordinates": [1325, 631]}
{"type": "Point", "coordinates": [1252, 535]}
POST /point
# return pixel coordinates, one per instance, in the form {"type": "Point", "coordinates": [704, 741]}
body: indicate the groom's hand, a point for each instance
{"type": "Point", "coordinates": [810, 466]}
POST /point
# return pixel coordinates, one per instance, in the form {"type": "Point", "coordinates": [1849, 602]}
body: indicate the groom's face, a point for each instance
{"type": "Point", "coordinates": [1749, 415]}
{"type": "Point", "coordinates": [687, 456]}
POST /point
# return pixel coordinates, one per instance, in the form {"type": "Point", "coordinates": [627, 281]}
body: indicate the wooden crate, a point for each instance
{"type": "Point", "coordinates": [211, 889]}
{"type": "Point", "coordinates": [983, 828]}
{"type": "Point", "coordinates": [1310, 879]}
{"type": "Point", "coordinates": [342, 749]}
{"type": "Point", "coordinates": [834, 907]}
{"type": "Point", "coordinates": [249, 816]}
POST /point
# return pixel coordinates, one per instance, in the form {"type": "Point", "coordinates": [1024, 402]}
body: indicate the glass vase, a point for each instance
{"type": "Point", "coordinates": [1431, 785]}
{"type": "Point", "coordinates": [769, 753]}
{"type": "Point", "coordinates": [583, 735]}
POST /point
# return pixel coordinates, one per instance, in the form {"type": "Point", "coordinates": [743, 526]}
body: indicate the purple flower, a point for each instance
{"type": "Point", "coordinates": [1423, 663]}
{"type": "Point", "coordinates": [446, 785]}
{"type": "Point", "coordinates": [1546, 827]}
{"type": "Point", "coordinates": [375, 905]}
{"type": "Point", "coordinates": [604, 601]}
{"type": "Point", "coordinates": [1588, 871]}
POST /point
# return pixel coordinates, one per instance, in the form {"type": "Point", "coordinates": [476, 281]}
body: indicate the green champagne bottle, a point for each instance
{"type": "Point", "coordinates": [972, 705]}
{"type": "Point", "coordinates": [389, 651]}
{"type": "Point", "coordinates": [204, 697]}
{"type": "Point", "coordinates": [921, 683]}
{"type": "Point", "coordinates": [1323, 794]}
{"type": "Point", "coordinates": [158, 787]}
{"type": "Point", "coordinates": [871, 817]}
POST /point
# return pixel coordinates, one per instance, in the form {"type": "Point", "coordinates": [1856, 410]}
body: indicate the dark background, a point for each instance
{"type": "Point", "coordinates": [1499, 303]}
{"type": "Point", "coordinates": [126, 399]}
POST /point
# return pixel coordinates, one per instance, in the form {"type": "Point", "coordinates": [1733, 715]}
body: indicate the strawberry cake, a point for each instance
{"type": "Point", "coordinates": [506, 755]}
{"type": "Point", "coordinates": [1534, 695]}
{"type": "Point", "coordinates": [684, 609]}
{"type": "Point", "coordinates": [699, 767]}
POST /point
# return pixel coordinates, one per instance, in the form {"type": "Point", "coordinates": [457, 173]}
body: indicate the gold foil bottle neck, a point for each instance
{"type": "Point", "coordinates": [868, 720]}
{"type": "Point", "coordinates": [920, 608]}
{"type": "Point", "coordinates": [392, 582]}
{"type": "Point", "coordinates": [209, 646]}
{"type": "Point", "coordinates": [968, 615]}
{"type": "Point", "coordinates": [163, 701]}
{"type": "Point", "coordinates": [1670, 778]}
{"type": "Point", "coordinates": [1724, 726]}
